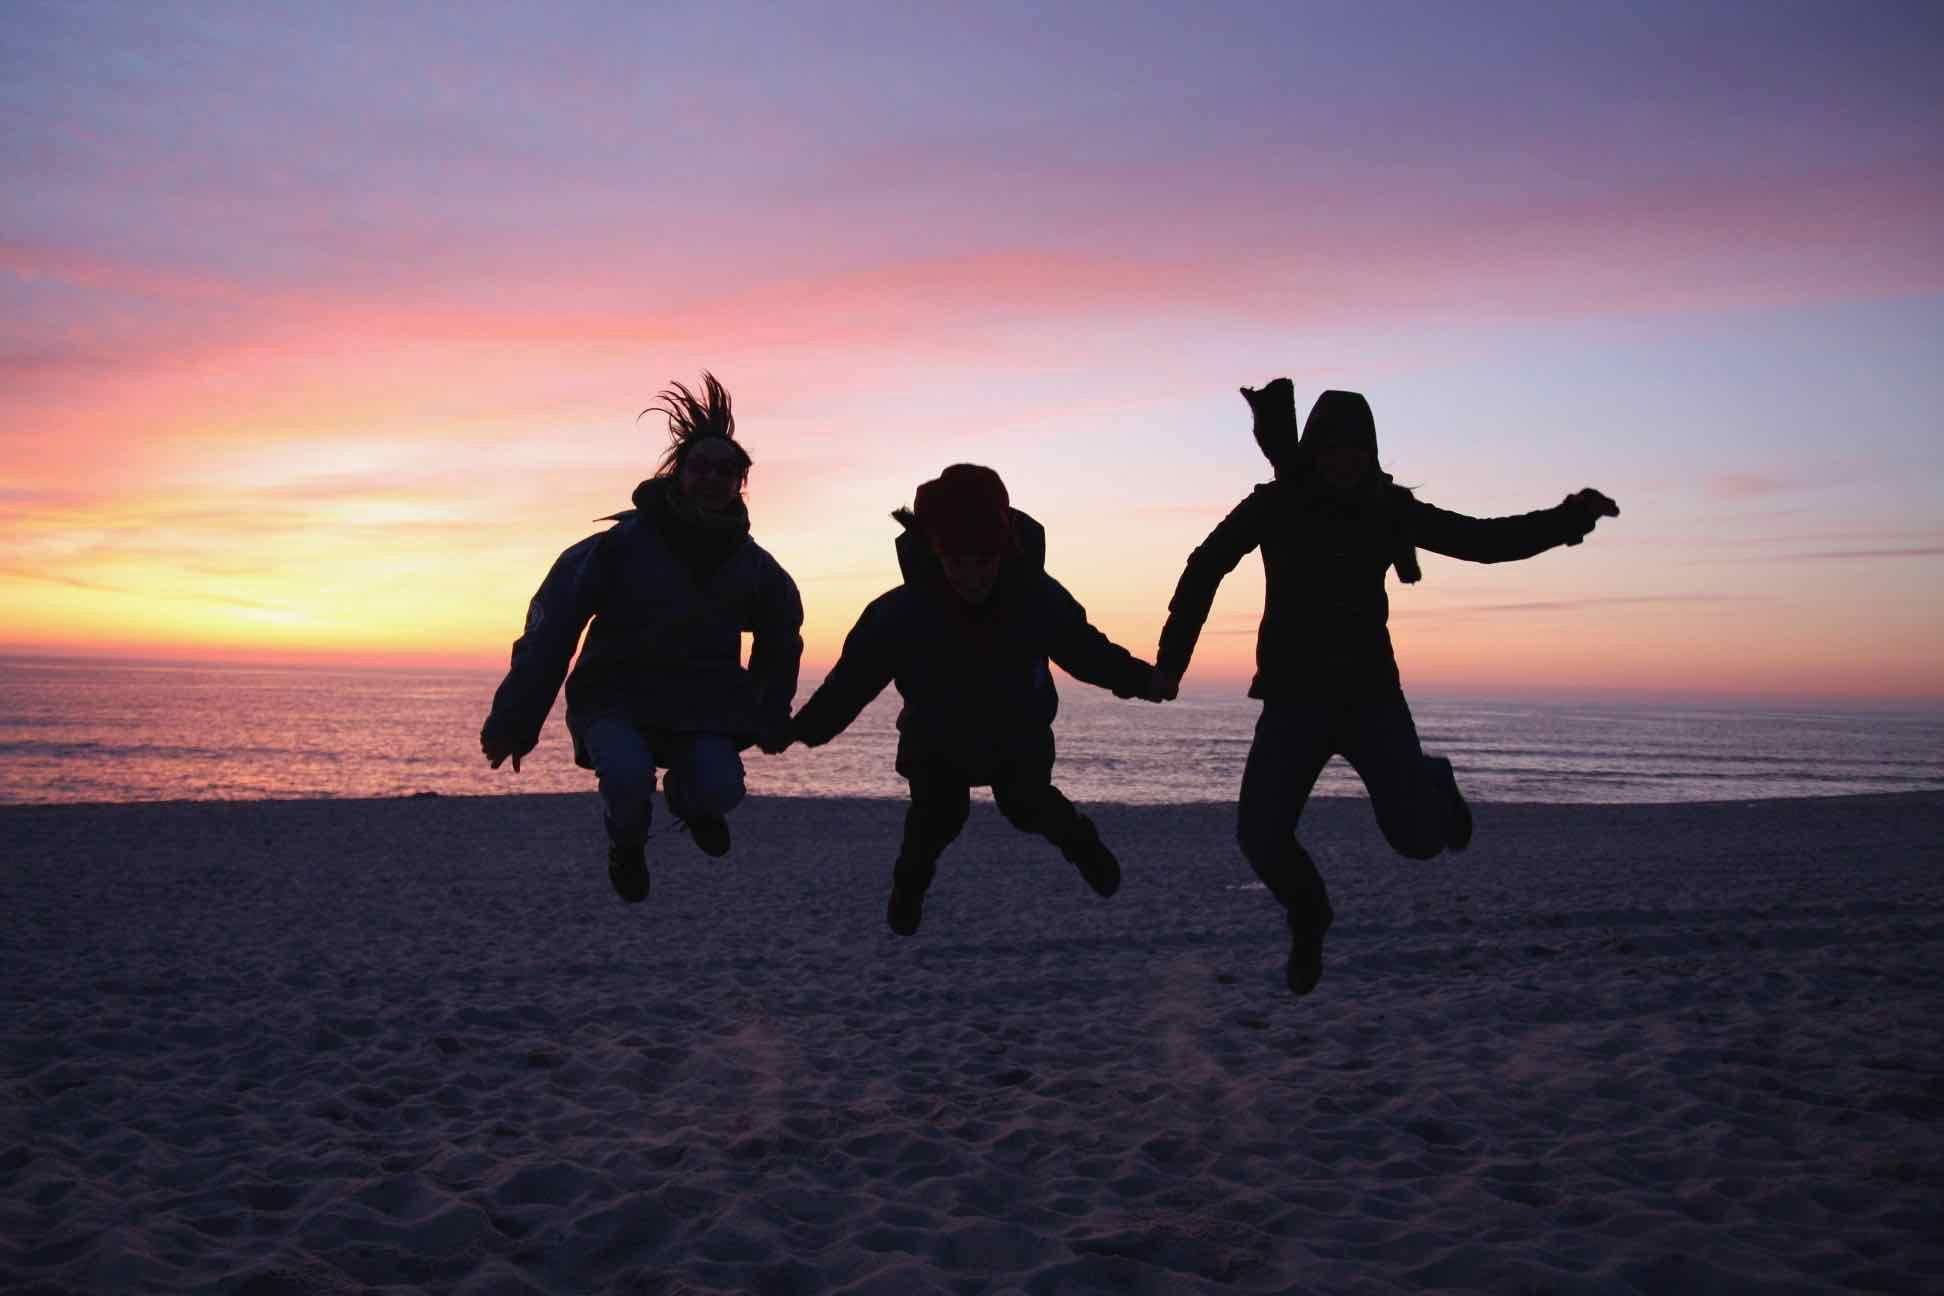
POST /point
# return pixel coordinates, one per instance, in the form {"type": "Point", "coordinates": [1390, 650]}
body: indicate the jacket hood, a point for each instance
{"type": "Point", "coordinates": [918, 564]}
{"type": "Point", "coordinates": [645, 495]}
{"type": "Point", "coordinates": [1340, 418]}
{"type": "Point", "coordinates": [655, 497]}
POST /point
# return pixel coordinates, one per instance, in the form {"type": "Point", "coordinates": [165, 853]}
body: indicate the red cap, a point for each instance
{"type": "Point", "coordinates": [965, 511]}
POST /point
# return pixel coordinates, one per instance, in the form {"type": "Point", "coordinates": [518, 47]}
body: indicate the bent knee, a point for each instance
{"type": "Point", "coordinates": [1418, 842]}
{"type": "Point", "coordinates": [715, 794]}
{"type": "Point", "coordinates": [1026, 812]}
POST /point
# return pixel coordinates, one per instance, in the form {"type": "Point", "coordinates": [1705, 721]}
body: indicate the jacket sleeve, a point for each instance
{"type": "Point", "coordinates": [865, 666]}
{"type": "Point", "coordinates": [1499, 539]}
{"type": "Point", "coordinates": [566, 601]}
{"type": "Point", "coordinates": [1213, 559]}
{"type": "Point", "coordinates": [776, 646]}
{"type": "Point", "coordinates": [1088, 655]}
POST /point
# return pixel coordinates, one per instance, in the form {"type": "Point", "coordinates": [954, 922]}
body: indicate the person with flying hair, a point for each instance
{"type": "Point", "coordinates": [1331, 526]}
{"type": "Point", "coordinates": [669, 589]}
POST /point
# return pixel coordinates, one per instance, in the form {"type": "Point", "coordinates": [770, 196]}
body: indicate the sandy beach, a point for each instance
{"type": "Point", "coordinates": [419, 1045]}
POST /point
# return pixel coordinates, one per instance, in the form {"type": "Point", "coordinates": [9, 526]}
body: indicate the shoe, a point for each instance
{"type": "Point", "coordinates": [1096, 863]}
{"type": "Point", "coordinates": [1458, 821]}
{"type": "Point", "coordinates": [1305, 967]}
{"type": "Point", "coordinates": [710, 834]}
{"type": "Point", "coordinates": [906, 910]}
{"type": "Point", "coordinates": [628, 871]}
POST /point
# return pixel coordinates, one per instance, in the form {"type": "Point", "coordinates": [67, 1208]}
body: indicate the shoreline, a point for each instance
{"type": "Point", "coordinates": [754, 799]}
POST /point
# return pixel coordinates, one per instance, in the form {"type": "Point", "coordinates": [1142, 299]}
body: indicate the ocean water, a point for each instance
{"type": "Point", "coordinates": [92, 731]}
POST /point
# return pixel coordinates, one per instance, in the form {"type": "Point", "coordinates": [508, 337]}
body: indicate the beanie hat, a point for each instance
{"type": "Point", "coordinates": [965, 511]}
{"type": "Point", "coordinates": [1340, 418]}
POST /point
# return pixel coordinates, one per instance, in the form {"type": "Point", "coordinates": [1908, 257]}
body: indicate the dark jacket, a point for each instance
{"type": "Point", "coordinates": [1324, 557]}
{"type": "Point", "coordinates": [977, 691]}
{"type": "Point", "coordinates": [669, 603]}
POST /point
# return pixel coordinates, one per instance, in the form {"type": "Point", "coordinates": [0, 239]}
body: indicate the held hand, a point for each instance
{"type": "Point", "coordinates": [776, 741]}
{"type": "Point", "coordinates": [1274, 396]}
{"type": "Point", "coordinates": [497, 751]}
{"type": "Point", "coordinates": [1163, 687]}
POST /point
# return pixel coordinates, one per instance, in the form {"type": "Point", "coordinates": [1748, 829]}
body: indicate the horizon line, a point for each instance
{"type": "Point", "coordinates": [1213, 687]}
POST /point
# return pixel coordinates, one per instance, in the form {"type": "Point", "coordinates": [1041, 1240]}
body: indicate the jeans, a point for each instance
{"type": "Point", "coordinates": [941, 800]}
{"type": "Point", "coordinates": [705, 774]}
{"type": "Point", "coordinates": [1409, 791]}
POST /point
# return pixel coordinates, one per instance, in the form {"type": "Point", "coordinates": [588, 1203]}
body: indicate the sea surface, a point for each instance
{"type": "Point", "coordinates": [74, 730]}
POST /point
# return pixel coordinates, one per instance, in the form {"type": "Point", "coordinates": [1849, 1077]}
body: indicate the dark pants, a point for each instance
{"type": "Point", "coordinates": [941, 799]}
{"type": "Point", "coordinates": [1409, 791]}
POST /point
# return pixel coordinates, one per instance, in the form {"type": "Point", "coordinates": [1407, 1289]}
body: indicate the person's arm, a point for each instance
{"type": "Point", "coordinates": [775, 652]}
{"type": "Point", "coordinates": [559, 611]}
{"type": "Point", "coordinates": [1507, 539]}
{"type": "Point", "coordinates": [1082, 651]}
{"type": "Point", "coordinates": [1213, 559]}
{"type": "Point", "coordinates": [863, 668]}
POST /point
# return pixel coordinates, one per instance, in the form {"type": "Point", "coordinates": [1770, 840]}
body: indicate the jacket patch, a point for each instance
{"type": "Point", "coordinates": [536, 613]}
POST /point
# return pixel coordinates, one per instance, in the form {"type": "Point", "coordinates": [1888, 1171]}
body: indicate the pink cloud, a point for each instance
{"type": "Point", "coordinates": [1749, 485]}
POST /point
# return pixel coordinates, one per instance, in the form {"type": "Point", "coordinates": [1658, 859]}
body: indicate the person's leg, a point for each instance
{"type": "Point", "coordinates": [704, 783]}
{"type": "Point", "coordinates": [1032, 804]}
{"type": "Point", "coordinates": [941, 801]}
{"type": "Point", "coordinates": [1414, 796]}
{"type": "Point", "coordinates": [1292, 744]}
{"type": "Point", "coordinates": [1291, 747]}
{"type": "Point", "coordinates": [625, 770]}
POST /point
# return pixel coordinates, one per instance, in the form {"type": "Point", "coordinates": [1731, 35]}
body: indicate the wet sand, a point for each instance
{"type": "Point", "coordinates": [419, 1045]}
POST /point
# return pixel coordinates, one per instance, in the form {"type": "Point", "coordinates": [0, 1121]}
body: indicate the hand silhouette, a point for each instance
{"type": "Point", "coordinates": [1593, 505]}
{"type": "Point", "coordinates": [498, 750]}
{"type": "Point", "coordinates": [1596, 504]}
{"type": "Point", "coordinates": [776, 741]}
{"type": "Point", "coordinates": [1275, 398]}
{"type": "Point", "coordinates": [1163, 687]}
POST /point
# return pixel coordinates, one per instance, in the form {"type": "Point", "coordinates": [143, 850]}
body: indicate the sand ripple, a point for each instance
{"type": "Point", "coordinates": [417, 1045]}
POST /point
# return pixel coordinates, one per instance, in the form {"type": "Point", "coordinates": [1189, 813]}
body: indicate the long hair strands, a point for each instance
{"type": "Point", "coordinates": [692, 418]}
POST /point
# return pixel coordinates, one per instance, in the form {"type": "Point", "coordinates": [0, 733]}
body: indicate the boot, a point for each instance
{"type": "Point", "coordinates": [1306, 932]}
{"type": "Point", "coordinates": [1458, 817]}
{"type": "Point", "coordinates": [628, 871]}
{"type": "Point", "coordinates": [1086, 852]}
{"type": "Point", "coordinates": [906, 909]}
{"type": "Point", "coordinates": [710, 833]}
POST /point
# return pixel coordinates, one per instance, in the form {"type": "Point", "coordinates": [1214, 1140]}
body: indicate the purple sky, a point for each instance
{"type": "Point", "coordinates": [267, 269]}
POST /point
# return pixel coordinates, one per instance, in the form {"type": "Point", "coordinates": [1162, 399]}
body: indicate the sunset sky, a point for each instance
{"type": "Point", "coordinates": [326, 326]}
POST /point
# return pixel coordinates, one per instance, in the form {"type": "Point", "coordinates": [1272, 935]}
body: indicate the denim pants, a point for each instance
{"type": "Point", "coordinates": [705, 774]}
{"type": "Point", "coordinates": [1409, 791]}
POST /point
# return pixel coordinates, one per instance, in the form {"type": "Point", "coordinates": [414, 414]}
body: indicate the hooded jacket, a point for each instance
{"type": "Point", "coordinates": [669, 602]}
{"type": "Point", "coordinates": [1324, 556]}
{"type": "Point", "coordinates": [977, 691]}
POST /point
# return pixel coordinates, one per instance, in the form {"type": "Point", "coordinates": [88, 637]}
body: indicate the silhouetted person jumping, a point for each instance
{"type": "Point", "coordinates": [660, 682]}
{"type": "Point", "coordinates": [966, 637]}
{"type": "Point", "coordinates": [1331, 526]}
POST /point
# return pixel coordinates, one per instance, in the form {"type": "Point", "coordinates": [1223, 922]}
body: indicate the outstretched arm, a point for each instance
{"type": "Point", "coordinates": [1213, 559]}
{"type": "Point", "coordinates": [1090, 656]}
{"type": "Point", "coordinates": [557, 614]}
{"type": "Point", "coordinates": [775, 652]}
{"type": "Point", "coordinates": [1508, 539]}
{"type": "Point", "coordinates": [864, 667]}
